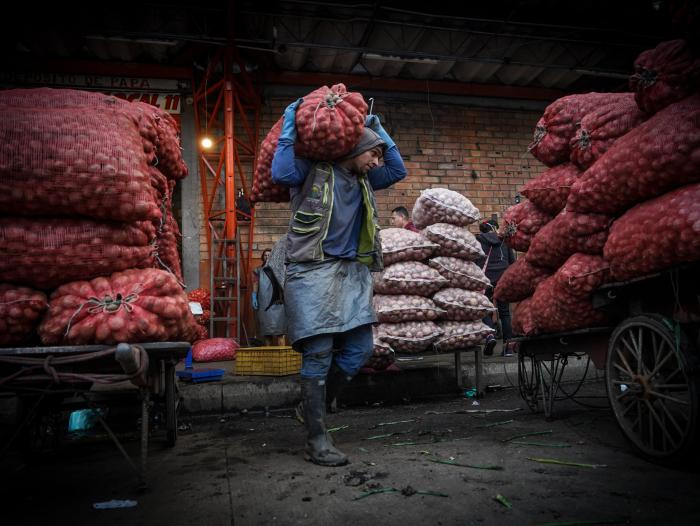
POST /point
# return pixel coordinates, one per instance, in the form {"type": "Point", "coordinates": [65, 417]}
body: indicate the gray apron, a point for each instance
{"type": "Point", "coordinates": [271, 316]}
{"type": "Point", "coordinates": [328, 296]}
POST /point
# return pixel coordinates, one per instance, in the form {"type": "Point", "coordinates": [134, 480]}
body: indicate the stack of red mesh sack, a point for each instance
{"type": "Point", "coordinates": [86, 183]}
{"type": "Point", "coordinates": [329, 125]}
{"type": "Point", "coordinates": [634, 207]}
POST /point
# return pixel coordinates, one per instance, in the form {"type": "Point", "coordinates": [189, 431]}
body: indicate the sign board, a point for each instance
{"type": "Point", "coordinates": [162, 93]}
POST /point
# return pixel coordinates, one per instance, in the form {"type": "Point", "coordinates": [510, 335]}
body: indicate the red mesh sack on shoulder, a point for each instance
{"type": "Point", "coordinates": [557, 126]}
{"type": "Point", "coordinates": [659, 155]}
{"type": "Point", "coordinates": [20, 311]}
{"type": "Point", "coordinates": [519, 281]}
{"type": "Point", "coordinates": [566, 234]}
{"type": "Point", "coordinates": [549, 190]}
{"type": "Point", "coordinates": [601, 127]}
{"type": "Point", "coordinates": [329, 123]}
{"type": "Point", "coordinates": [132, 306]}
{"type": "Point", "coordinates": [214, 350]}
{"type": "Point", "coordinates": [664, 75]}
{"type": "Point", "coordinates": [45, 253]}
{"type": "Point", "coordinates": [655, 235]}
{"type": "Point", "coordinates": [523, 321]}
{"type": "Point", "coordinates": [521, 222]}
{"type": "Point", "coordinates": [264, 190]}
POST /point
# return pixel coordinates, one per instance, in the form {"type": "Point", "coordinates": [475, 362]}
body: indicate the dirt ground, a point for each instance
{"type": "Point", "coordinates": [250, 469]}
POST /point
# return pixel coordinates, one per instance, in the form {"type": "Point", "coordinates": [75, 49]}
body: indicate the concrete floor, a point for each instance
{"type": "Point", "coordinates": [249, 469]}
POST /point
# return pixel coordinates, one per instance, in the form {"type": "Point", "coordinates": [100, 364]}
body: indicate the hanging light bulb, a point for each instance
{"type": "Point", "coordinates": [206, 143]}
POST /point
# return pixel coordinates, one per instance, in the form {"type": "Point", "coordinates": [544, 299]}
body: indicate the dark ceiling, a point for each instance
{"type": "Point", "coordinates": [569, 46]}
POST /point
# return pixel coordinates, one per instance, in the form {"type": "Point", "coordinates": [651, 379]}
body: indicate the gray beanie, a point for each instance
{"type": "Point", "coordinates": [370, 139]}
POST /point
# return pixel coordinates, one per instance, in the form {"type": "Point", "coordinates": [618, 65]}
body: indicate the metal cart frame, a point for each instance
{"type": "Point", "coordinates": [41, 376]}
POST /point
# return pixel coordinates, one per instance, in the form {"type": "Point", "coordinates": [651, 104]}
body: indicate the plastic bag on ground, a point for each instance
{"type": "Point", "coordinates": [462, 274]}
{"type": "Point", "coordinates": [454, 241]}
{"type": "Point", "coordinates": [655, 235]}
{"type": "Point", "coordinates": [409, 337]}
{"type": "Point", "coordinates": [520, 224]}
{"type": "Point", "coordinates": [399, 308]}
{"type": "Point", "coordinates": [463, 305]}
{"type": "Point", "coordinates": [132, 306]}
{"type": "Point", "coordinates": [566, 234]}
{"type": "Point", "coordinates": [462, 334]}
{"type": "Point", "coordinates": [549, 190]}
{"type": "Point", "coordinates": [399, 244]}
{"type": "Point", "coordinates": [519, 281]}
{"type": "Point", "coordinates": [214, 350]}
{"type": "Point", "coordinates": [20, 311]}
{"type": "Point", "coordinates": [440, 205]}
{"type": "Point", "coordinates": [657, 156]}
{"type": "Point", "coordinates": [408, 277]}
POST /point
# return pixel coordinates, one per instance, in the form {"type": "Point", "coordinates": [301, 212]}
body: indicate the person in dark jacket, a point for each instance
{"type": "Point", "coordinates": [499, 256]}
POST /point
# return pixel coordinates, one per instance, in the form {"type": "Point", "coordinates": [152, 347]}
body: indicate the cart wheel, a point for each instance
{"type": "Point", "coordinates": [651, 389]}
{"type": "Point", "coordinates": [170, 407]}
{"type": "Point", "coordinates": [528, 378]}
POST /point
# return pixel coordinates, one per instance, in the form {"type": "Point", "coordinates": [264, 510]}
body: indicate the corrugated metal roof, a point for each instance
{"type": "Point", "coordinates": [543, 43]}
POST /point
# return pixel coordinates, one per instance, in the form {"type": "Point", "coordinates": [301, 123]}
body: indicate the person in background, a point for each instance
{"type": "Point", "coordinates": [271, 317]}
{"type": "Point", "coordinates": [401, 219]}
{"type": "Point", "coordinates": [498, 257]}
{"type": "Point", "coordinates": [332, 245]}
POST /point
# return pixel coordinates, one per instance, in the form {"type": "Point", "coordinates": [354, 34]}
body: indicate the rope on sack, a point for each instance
{"type": "Point", "coordinates": [22, 301]}
{"type": "Point", "coordinates": [540, 132]}
{"type": "Point", "coordinates": [107, 305]}
{"type": "Point", "coordinates": [332, 99]}
{"type": "Point", "coordinates": [572, 278]}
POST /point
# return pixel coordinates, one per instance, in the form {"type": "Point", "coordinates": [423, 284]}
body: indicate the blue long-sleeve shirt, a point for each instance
{"type": "Point", "coordinates": [346, 217]}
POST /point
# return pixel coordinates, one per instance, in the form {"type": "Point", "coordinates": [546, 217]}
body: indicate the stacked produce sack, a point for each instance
{"type": "Point", "coordinates": [430, 292]}
{"type": "Point", "coordinates": [86, 184]}
{"type": "Point", "coordinates": [634, 207]}
{"type": "Point", "coordinates": [329, 125]}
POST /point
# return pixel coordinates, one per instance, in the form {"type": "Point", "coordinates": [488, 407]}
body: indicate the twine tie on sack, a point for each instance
{"type": "Point", "coordinates": [540, 132]}
{"type": "Point", "coordinates": [572, 278]}
{"type": "Point", "coordinates": [107, 305]}
{"type": "Point", "coordinates": [332, 99]}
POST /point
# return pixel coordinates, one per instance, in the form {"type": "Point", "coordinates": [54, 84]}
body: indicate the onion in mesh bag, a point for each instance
{"type": "Point", "coordinates": [462, 335]}
{"type": "Point", "coordinates": [549, 190]}
{"type": "Point", "coordinates": [461, 273]}
{"type": "Point", "coordinates": [657, 156]}
{"type": "Point", "coordinates": [566, 234]}
{"type": "Point", "coordinates": [520, 224]}
{"type": "Point", "coordinates": [410, 336]}
{"type": "Point", "coordinates": [399, 244]}
{"type": "Point", "coordinates": [582, 274]}
{"type": "Point", "coordinates": [523, 321]}
{"type": "Point", "coordinates": [398, 308]}
{"type": "Point", "coordinates": [655, 235]}
{"type": "Point", "coordinates": [519, 281]}
{"type": "Point", "coordinates": [382, 354]}
{"type": "Point", "coordinates": [440, 205]}
{"type": "Point", "coordinates": [454, 241]}
{"type": "Point", "coordinates": [20, 310]}
{"type": "Point", "coordinates": [408, 277]}
{"type": "Point", "coordinates": [461, 304]}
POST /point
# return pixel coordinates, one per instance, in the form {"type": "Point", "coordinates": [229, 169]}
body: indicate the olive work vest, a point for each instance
{"type": "Point", "coordinates": [311, 216]}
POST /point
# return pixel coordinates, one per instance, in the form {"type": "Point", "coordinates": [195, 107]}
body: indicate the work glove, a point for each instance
{"type": "Point", "coordinates": [289, 129]}
{"type": "Point", "coordinates": [255, 301]}
{"type": "Point", "coordinates": [372, 122]}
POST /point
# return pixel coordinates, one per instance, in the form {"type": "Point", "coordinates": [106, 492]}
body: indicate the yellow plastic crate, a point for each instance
{"type": "Point", "coordinates": [267, 361]}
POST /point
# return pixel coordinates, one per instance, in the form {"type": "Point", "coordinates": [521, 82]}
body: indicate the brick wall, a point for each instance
{"type": "Point", "coordinates": [479, 152]}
